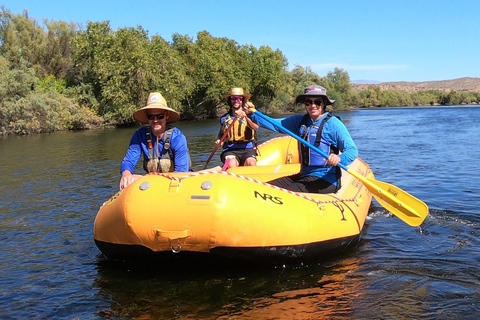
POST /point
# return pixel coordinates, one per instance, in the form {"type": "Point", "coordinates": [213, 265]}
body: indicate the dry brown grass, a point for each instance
{"type": "Point", "coordinates": [461, 85]}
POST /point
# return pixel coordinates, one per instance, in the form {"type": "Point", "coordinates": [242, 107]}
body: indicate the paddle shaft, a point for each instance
{"type": "Point", "coordinates": [221, 140]}
{"type": "Point", "coordinates": [305, 142]}
{"type": "Point", "coordinates": [387, 195]}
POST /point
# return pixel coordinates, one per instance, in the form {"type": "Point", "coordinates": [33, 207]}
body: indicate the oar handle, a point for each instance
{"type": "Point", "coordinates": [221, 140]}
{"type": "Point", "coordinates": [305, 142]}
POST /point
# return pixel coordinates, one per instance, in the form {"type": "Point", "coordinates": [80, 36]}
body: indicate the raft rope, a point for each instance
{"type": "Point", "coordinates": [319, 203]}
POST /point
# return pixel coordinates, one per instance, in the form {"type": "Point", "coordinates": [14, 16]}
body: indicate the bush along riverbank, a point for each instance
{"type": "Point", "coordinates": [57, 76]}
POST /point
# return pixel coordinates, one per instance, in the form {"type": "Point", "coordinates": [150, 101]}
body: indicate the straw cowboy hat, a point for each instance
{"type": "Point", "coordinates": [237, 92]}
{"type": "Point", "coordinates": [156, 101]}
{"type": "Point", "coordinates": [314, 91]}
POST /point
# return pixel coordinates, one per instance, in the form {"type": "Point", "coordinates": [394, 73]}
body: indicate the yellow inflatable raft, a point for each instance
{"type": "Point", "coordinates": [233, 214]}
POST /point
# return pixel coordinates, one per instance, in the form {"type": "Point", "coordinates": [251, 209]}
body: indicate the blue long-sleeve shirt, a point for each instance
{"type": "Point", "coordinates": [334, 130]}
{"type": "Point", "coordinates": [138, 146]}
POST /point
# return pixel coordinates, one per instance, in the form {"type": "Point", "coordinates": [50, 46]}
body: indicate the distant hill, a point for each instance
{"type": "Point", "coordinates": [364, 82]}
{"type": "Point", "coordinates": [460, 84]}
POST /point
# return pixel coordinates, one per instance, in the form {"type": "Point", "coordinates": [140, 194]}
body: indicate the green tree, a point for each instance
{"type": "Point", "coordinates": [90, 46]}
{"type": "Point", "coordinates": [266, 73]}
{"type": "Point", "coordinates": [167, 73]}
{"type": "Point", "coordinates": [125, 73]}
{"type": "Point", "coordinates": [57, 57]}
{"type": "Point", "coordinates": [23, 38]}
{"type": "Point", "coordinates": [24, 110]}
{"type": "Point", "coordinates": [338, 87]}
{"type": "Point", "coordinates": [424, 98]}
{"type": "Point", "coordinates": [117, 65]}
{"type": "Point", "coordinates": [338, 80]}
{"type": "Point", "coordinates": [370, 97]}
{"type": "Point", "coordinates": [51, 84]}
{"type": "Point", "coordinates": [17, 82]}
{"type": "Point", "coordinates": [450, 98]}
{"type": "Point", "coordinates": [212, 69]}
{"type": "Point", "coordinates": [301, 78]}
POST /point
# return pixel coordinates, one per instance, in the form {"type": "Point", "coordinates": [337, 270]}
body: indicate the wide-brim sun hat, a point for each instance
{"type": "Point", "coordinates": [314, 90]}
{"type": "Point", "coordinates": [156, 101]}
{"type": "Point", "coordinates": [237, 92]}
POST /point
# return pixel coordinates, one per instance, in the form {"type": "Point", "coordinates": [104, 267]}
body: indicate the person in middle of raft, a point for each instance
{"type": "Point", "coordinates": [239, 143]}
{"type": "Point", "coordinates": [324, 131]}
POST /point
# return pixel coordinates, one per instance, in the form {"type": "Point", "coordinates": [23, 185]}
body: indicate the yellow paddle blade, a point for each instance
{"type": "Point", "coordinates": [402, 204]}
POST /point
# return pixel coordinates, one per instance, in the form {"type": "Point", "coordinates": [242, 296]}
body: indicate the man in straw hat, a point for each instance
{"type": "Point", "coordinates": [239, 143]}
{"type": "Point", "coordinates": [326, 132]}
{"type": "Point", "coordinates": [163, 146]}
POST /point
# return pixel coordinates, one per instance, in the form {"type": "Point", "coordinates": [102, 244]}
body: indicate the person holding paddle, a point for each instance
{"type": "Point", "coordinates": [238, 130]}
{"type": "Point", "coordinates": [324, 131]}
{"type": "Point", "coordinates": [164, 147]}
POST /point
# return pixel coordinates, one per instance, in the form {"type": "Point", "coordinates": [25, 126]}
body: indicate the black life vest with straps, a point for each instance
{"type": "Point", "coordinates": [164, 163]}
{"type": "Point", "coordinates": [305, 151]}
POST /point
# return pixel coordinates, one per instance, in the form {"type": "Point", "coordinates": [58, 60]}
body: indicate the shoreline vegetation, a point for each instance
{"type": "Point", "coordinates": [58, 76]}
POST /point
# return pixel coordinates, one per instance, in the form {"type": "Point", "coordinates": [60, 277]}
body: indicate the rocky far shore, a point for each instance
{"type": "Point", "coordinates": [461, 85]}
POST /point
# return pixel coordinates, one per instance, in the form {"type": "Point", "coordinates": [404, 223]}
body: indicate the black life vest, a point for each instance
{"type": "Point", "coordinates": [165, 163]}
{"type": "Point", "coordinates": [329, 149]}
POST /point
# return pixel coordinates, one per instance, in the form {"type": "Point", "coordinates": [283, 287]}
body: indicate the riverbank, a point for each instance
{"type": "Point", "coordinates": [52, 111]}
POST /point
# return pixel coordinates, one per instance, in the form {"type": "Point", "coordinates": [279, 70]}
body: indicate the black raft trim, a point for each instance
{"type": "Point", "coordinates": [306, 253]}
{"type": "Point", "coordinates": [277, 254]}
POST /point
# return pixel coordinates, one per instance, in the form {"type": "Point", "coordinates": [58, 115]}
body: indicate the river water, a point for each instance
{"type": "Point", "coordinates": [51, 187]}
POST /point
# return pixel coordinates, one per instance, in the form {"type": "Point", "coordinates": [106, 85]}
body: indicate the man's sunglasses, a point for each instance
{"type": "Point", "coordinates": [309, 102]}
{"type": "Point", "coordinates": [159, 116]}
{"type": "Point", "coordinates": [236, 98]}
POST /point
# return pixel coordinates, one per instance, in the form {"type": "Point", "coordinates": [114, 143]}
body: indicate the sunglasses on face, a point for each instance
{"type": "Point", "coordinates": [309, 102]}
{"type": "Point", "coordinates": [236, 98]}
{"type": "Point", "coordinates": [159, 116]}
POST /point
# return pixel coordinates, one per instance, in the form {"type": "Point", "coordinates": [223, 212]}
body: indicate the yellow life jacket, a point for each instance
{"type": "Point", "coordinates": [240, 132]}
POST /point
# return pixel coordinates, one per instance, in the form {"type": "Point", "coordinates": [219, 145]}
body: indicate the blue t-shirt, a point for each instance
{"type": "Point", "coordinates": [138, 146]}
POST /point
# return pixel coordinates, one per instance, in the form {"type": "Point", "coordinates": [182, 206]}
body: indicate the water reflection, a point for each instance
{"type": "Point", "coordinates": [321, 291]}
{"type": "Point", "coordinates": [330, 295]}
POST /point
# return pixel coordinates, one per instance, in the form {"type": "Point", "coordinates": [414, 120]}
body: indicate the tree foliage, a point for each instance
{"type": "Point", "coordinates": [55, 75]}
{"type": "Point", "coordinates": [27, 111]}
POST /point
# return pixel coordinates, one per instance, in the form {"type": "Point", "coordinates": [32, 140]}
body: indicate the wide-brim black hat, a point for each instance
{"type": "Point", "coordinates": [314, 90]}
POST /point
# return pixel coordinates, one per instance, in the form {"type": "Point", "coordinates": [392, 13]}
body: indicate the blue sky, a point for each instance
{"type": "Point", "coordinates": [381, 40]}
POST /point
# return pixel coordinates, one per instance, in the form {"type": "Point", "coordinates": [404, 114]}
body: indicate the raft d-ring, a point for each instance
{"type": "Point", "coordinates": [176, 250]}
{"type": "Point", "coordinates": [178, 236]}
